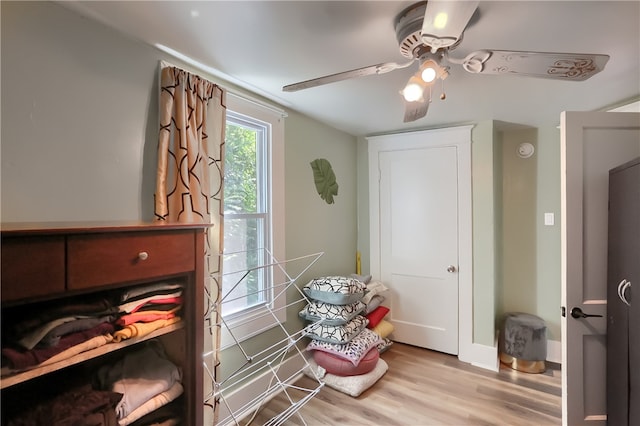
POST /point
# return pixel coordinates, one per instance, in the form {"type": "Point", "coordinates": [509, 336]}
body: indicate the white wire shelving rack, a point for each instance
{"type": "Point", "coordinates": [264, 365]}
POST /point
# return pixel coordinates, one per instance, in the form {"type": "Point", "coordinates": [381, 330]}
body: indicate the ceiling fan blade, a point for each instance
{"type": "Point", "coordinates": [445, 21]}
{"type": "Point", "coordinates": [359, 72]}
{"type": "Point", "coordinates": [415, 110]}
{"type": "Point", "coordinates": [557, 66]}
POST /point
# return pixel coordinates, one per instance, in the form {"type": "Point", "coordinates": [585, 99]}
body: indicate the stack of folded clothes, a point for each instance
{"type": "Point", "coordinates": [52, 333]}
{"type": "Point", "coordinates": [147, 308]}
{"type": "Point", "coordinates": [147, 381]}
{"type": "Point", "coordinates": [344, 350]}
{"type": "Point", "coordinates": [134, 389]}
{"type": "Point", "coordinates": [81, 405]}
{"type": "Point", "coordinates": [55, 332]}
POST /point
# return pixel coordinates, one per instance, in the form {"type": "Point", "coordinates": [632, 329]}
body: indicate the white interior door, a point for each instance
{"type": "Point", "coordinates": [419, 245]}
{"type": "Point", "coordinates": [592, 144]}
{"type": "Point", "coordinates": [420, 207]}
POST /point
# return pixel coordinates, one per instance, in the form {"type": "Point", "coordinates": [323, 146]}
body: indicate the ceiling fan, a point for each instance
{"type": "Point", "coordinates": [428, 30]}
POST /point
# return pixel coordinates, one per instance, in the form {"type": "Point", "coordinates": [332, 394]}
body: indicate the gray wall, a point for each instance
{"type": "Point", "coordinates": [529, 272]}
{"type": "Point", "coordinates": [79, 138]}
{"type": "Point", "coordinates": [79, 134]}
{"type": "Point", "coordinates": [485, 238]}
{"type": "Point", "coordinates": [78, 118]}
{"type": "Point", "coordinates": [548, 197]}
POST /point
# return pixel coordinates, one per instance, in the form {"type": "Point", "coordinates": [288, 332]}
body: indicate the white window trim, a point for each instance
{"type": "Point", "coordinates": [260, 319]}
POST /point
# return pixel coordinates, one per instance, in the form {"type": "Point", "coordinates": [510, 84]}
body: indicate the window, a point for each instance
{"type": "Point", "coordinates": [247, 239]}
{"type": "Point", "coordinates": [253, 225]}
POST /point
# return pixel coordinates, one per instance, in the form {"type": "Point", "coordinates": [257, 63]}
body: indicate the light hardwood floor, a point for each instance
{"type": "Point", "coordinates": [424, 387]}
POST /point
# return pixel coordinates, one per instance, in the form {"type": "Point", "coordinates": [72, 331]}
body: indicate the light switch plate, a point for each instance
{"type": "Point", "coordinates": [549, 219]}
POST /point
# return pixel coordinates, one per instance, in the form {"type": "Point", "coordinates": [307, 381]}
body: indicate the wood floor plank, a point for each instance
{"type": "Point", "coordinates": [424, 387]}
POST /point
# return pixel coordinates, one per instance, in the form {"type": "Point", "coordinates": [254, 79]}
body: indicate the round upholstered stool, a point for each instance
{"type": "Point", "coordinates": [523, 342]}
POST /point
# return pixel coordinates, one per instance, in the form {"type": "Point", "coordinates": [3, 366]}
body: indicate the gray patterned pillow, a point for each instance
{"type": "Point", "coordinates": [335, 290]}
{"type": "Point", "coordinates": [339, 334]}
{"type": "Point", "coordinates": [331, 314]}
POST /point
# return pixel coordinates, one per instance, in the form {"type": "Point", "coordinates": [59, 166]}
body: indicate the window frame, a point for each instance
{"type": "Point", "coordinates": [257, 319]}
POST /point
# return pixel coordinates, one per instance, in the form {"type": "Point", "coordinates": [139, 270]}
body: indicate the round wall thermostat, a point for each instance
{"type": "Point", "coordinates": [525, 150]}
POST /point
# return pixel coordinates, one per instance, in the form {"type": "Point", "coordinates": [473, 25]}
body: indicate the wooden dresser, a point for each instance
{"type": "Point", "coordinates": [50, 263]}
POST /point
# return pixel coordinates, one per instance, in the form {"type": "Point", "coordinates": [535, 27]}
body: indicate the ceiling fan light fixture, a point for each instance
{"type": "Point", "coordinates": [429, 71]}
{"type": "Point", "coordinates": [430, 68]}
{"type": "Point", "coordinates": [428, 74]}
{"type": "Point", "coordinates": [414, 89]}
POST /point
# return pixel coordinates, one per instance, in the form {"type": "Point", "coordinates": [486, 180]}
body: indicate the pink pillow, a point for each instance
{"type": "Point", "coordinates": [342, 367]}
{"type": "Point", "coordinates": [377, 315]}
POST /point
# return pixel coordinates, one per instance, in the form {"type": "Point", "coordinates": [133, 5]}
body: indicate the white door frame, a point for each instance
{"type": "Point", "coordinates": [574, 126]}
{"type": "Point", "coordinates": [460, 138]}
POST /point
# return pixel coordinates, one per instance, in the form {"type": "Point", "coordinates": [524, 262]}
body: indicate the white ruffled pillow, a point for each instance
{"type": "Point", "coordinates": [353, 350]}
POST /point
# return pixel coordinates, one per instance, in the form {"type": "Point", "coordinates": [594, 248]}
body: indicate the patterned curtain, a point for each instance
{"type": "Point", "coordinates": [189, 183]}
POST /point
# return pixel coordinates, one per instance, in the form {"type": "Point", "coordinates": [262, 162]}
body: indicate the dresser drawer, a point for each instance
{"type": "Point", "coordinates": [102, 259]}
{"type": "Point", "coordinates": [32, 267]}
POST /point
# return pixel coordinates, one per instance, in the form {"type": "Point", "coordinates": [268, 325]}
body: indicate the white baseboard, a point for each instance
{"type": "Point", "coordinates": [484, 356]}
{"type": "Point", "coordinates": [487, 356]}
{"type": "Point", "coordinates": [554, 351]}
{"type": "Point", "coordinates": [241, 397]}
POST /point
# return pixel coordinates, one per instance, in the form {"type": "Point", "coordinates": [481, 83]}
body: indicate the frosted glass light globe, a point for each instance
{"type": "Point", "coordinates": [428, 75]}
{"type": "Point", "coordinates": [412, 92]}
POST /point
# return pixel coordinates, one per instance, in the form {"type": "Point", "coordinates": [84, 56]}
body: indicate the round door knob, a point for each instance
{"type": "Point", "coordinates": [143, 255]}
{"type": "Point", "coordinates": [451, 268]}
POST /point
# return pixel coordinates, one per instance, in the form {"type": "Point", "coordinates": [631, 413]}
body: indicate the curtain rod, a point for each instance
{"type": "Point", "coordinates": [231, 92]}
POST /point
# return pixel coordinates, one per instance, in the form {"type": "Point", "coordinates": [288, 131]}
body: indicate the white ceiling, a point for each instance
{"type": "Point", "coordinates": [265, 45]}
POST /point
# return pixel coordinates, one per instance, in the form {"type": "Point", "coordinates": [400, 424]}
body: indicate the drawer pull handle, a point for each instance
{"type": "Point", "coordinates": [143, 255]}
